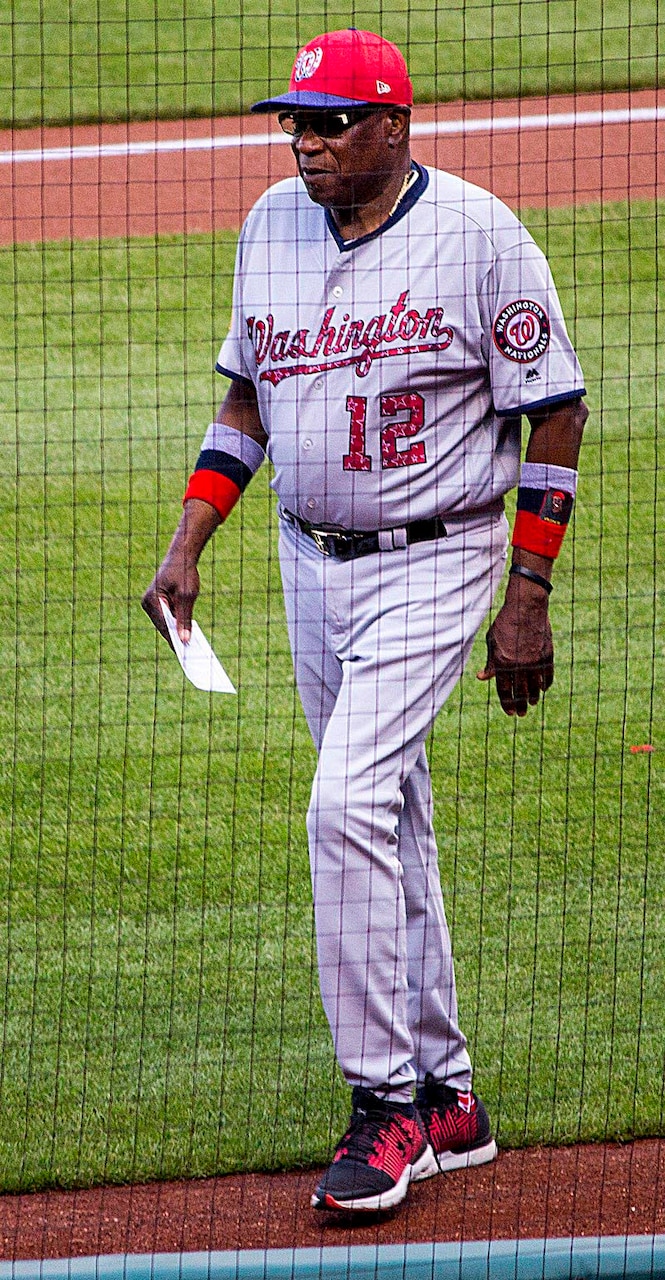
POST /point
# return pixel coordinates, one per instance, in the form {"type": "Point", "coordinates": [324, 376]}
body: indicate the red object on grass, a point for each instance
{"type": "Point", "coordinates": [645, 746]}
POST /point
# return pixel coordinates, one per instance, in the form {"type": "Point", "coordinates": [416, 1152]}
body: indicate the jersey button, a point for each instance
{"type": "Point", "coordinates": [338, 291]}
{"type": "Point", "coordinates": [318, 384]}
{"type": "Point", "coordinates": [307, 444]}
{"type": "Point", "coordinates": [311, 503]}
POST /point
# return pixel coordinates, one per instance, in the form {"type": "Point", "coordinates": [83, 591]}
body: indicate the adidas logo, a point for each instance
{"type": "Point", "coordinates": [382, 87]}
{"type": "Point", "coordinates": [533, 376]}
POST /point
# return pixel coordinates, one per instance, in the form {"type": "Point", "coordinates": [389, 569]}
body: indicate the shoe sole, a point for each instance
{"type": "Point", "coordinates": [446, 1161]}
{"type": "Point", "coordinates": [424, 1167]}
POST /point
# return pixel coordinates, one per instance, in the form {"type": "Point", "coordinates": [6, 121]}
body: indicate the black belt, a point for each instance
{"type": "Point", "coordinates": [345, 544]}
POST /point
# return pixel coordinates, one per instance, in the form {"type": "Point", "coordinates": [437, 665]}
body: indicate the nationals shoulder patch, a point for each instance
{"type": "Point", "coordinates": [522, 331]}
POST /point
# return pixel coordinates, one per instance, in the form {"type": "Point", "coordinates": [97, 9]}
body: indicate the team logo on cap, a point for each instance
{"type": "Point", "coordinates": [522, 331]}
{"type": "Point", "coordinates": [307, 63]}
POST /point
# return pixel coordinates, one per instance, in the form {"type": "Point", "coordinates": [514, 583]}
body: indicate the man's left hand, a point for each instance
{"type": "Point", "coordinates": [520, 652]}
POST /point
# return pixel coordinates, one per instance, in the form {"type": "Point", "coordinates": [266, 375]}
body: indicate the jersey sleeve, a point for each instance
{"type": "Point", "coordinates": [236, 349]}
{"type": "Point", "coordinates": [532, 362]}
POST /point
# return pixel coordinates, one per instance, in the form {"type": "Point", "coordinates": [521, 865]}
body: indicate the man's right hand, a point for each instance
{"type": "Point", "coordinates": [177, 579]}
{"type": "Point", "coordinates": [178, 584]}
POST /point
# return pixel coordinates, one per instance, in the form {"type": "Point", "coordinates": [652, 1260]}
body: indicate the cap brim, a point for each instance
{"type": "Point", "coordinates": [305, 98]}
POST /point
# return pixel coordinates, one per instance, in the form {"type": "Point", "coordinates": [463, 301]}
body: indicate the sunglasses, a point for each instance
{"type": "Point", "coordinates": [325, 124]}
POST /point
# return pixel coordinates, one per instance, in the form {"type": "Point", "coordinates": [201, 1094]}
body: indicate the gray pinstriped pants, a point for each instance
{"type": "Point", "coordinates": [378, 644]}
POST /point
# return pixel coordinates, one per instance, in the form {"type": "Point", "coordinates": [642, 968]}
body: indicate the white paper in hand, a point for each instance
{"type": "Point", "coordinates": [197, 659]}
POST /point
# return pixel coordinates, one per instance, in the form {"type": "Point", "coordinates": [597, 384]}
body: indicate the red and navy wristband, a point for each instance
{"type": "Point", "coordinates": [222, 473]}
{"type": "Point", "coordinates": [542, 519]}
{"type": "Point", "coordinates": [545, 499]}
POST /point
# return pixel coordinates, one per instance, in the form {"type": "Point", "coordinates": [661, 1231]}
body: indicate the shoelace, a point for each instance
{"type": "Point", "coordinates": [367, 1128]}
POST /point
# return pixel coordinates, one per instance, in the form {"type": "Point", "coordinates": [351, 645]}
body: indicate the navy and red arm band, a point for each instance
{"type": "Point", "coordinates": [225, 466]}
{"type": "Point", "coordinates": [545, 499]}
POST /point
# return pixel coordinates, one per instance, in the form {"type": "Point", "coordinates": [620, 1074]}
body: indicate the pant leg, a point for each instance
{"type": "Point", "coordinates": [438, 1043]}
{"type": "Point", "coordinates": [309, 615]}
{"type": "Point", "coordinates": [378, 645]}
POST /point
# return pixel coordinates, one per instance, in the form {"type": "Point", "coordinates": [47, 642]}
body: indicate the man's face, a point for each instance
{"type": "Point", "coordinates": [347, 168]}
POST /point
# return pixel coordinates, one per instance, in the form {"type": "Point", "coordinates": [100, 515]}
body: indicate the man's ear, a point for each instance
{"type": "Point", "coordinates": [398, 122]}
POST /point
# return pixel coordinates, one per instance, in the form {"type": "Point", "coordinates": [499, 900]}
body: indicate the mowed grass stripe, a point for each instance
{"type": "Point", "coordinates": [129, 59]}
{"type": "Point", "coordinates": [159, 999]}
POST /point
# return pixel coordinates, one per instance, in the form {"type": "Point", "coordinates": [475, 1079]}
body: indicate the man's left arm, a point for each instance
{"type": "Point", "coordinates": [520, 653]}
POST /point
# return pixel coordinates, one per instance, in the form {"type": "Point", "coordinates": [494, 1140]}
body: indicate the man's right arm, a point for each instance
{"type": "Point", "coordinates": [177, 579]}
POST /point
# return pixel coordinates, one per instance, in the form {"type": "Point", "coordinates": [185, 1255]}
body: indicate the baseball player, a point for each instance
{"type": "Point", "coordinates": [390, 325]}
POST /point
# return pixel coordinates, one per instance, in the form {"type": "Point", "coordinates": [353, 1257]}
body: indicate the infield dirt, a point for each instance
{"type": "Point", "coordinates": [585, 1190]}
{"type": "Point", "coordinates": [97, 196]}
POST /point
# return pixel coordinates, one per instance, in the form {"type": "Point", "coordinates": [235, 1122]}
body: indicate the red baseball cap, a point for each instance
{"type": "Point", "coordinates": [347, 68]}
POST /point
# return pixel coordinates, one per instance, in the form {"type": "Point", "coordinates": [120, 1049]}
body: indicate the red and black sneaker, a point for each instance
{"type": "Point", "coordinates": [383, 1149]}
{"type": "Point", "coordinates": [456, 1124]}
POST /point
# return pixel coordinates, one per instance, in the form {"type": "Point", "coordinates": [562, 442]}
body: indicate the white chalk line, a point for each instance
{"type": "Point", "coordinates": [420, 129]}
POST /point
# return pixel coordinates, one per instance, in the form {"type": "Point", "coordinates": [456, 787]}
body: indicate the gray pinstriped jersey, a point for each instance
{"type": "Point", "coordinates": [391, 372]}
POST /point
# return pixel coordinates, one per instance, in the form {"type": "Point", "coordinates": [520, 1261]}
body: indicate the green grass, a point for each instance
{"type": "Point", "coordinates": [120, 59]}
{"type": "Point", "coordinates": [160, 1011]}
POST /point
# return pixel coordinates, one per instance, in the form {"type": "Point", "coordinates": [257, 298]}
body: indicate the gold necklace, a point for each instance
{"type": "Point", "coordinates": [408, 179]}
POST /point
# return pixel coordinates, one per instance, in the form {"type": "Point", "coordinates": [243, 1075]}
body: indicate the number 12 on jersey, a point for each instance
{"type": "Point", "coordinates": [402, 401]}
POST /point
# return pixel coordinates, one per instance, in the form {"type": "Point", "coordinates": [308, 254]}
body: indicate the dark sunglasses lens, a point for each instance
{"type": "Point", "coordinates": [326, 124]}
{"type": "Point", "coordinates": [334, 123]}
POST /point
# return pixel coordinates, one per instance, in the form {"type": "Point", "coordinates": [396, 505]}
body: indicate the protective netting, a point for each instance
{"type": "Point", "coordinates": [160, 1000]}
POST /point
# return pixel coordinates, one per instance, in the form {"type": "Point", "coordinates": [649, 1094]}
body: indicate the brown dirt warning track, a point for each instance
{"type": "Point", "coordinates": [603, 1189]}
{"type": "Point", "coordinates": [109, 181]}
{"type": "Point", "coordinates": [100, 181]}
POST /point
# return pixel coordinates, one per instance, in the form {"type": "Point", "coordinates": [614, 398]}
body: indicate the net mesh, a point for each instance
{"type": "Point", "coordinates": [161, 1015]}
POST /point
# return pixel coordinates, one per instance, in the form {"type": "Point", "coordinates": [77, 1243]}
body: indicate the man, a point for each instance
{"type": "Point", "coordinates": [390, 325]}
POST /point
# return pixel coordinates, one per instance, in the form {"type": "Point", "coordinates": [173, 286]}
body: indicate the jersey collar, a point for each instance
{"type": "Point", "coordinates": [414, 193]}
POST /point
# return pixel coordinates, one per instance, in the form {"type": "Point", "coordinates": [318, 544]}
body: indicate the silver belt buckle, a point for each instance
{"type": "Point", "coordinates": [320, 540]}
